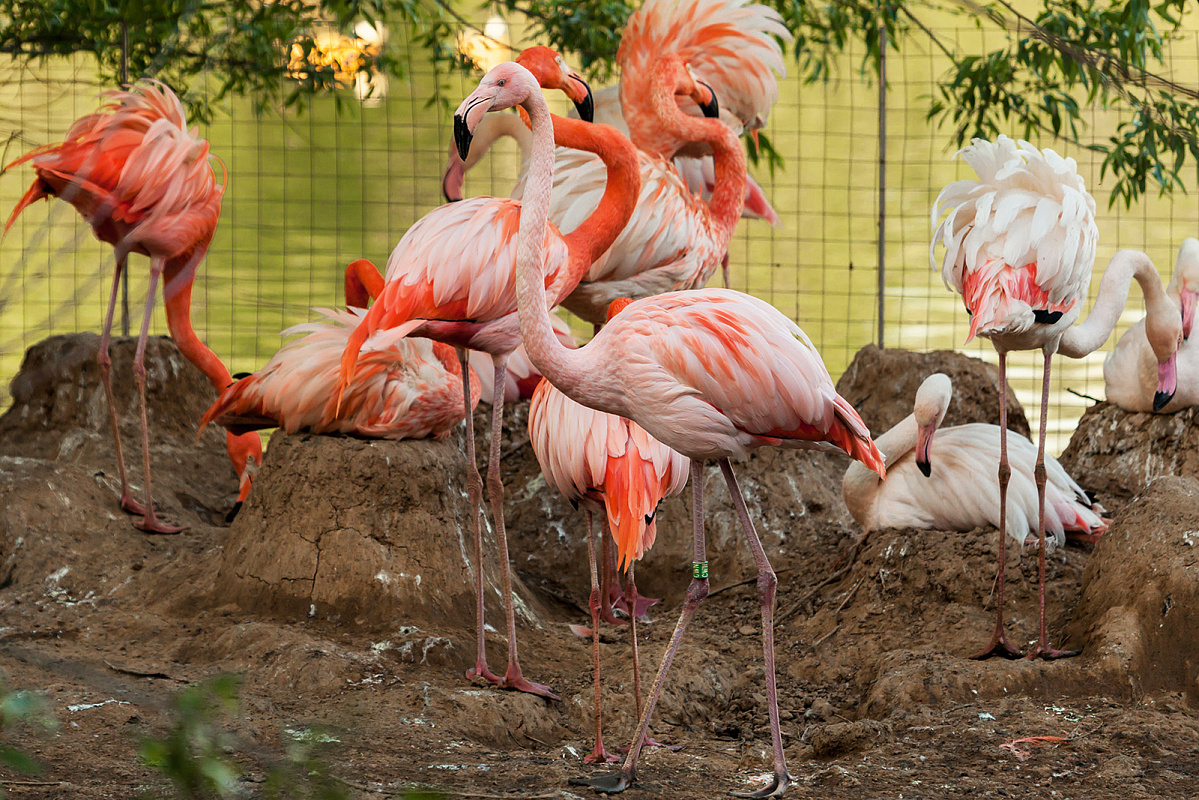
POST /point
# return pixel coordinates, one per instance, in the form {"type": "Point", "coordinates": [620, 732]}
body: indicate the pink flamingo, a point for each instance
{"type": "Point", "coordinates": [521, 377]}
{"type": "Point", "coordinates": [406, 389]}
{"type": "Point", "coordinates": [144, 184]}
{"type": "Point", "coordinates": [452, 278]}
{"type": "Point", "coordinates": [1130, 371]}
{"type": "Point", "coordinates": [709, 373]}
{"type": "Point", "coordinates": [1019, 244]}
{"type": "Point", "coordinates": [608, 465]}
{"type": "Point", "coordinates": [954, 490]}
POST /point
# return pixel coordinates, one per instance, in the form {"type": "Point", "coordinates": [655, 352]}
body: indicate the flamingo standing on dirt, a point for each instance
{"type": "Point", "coordinates": [453, 278]}
{"type": "Point", "coordinates": [143, 182]}
{"type": "Point", "coordinates": [947, 486]}
{"type": "Point", "coordinates": [405, 389]}
{"type": "Point", "coordinates": [1019, 245]}
{"type": "Point", "coordinates": [612, 466]}
{"type": "Point", "coordinates": [1130, 370]}
{"type": "Point", "coordinates": [709, 373]}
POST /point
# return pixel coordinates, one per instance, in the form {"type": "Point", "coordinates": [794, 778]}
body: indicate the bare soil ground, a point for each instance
{"type": "Point", "coordinates": [342, 594]}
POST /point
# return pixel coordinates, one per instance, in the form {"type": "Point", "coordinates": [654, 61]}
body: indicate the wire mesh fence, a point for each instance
{"type": "Point", "coordinates": [309, 191]}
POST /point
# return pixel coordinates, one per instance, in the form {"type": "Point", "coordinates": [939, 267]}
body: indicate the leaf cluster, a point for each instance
{"type": "Point", "coordinates": [22, 708]}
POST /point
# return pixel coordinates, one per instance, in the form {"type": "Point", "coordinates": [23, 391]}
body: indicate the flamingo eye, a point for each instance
{"type": "Point", "coordinates": [501, 82]}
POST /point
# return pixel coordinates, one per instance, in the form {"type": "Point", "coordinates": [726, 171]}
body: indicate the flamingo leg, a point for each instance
{"type": "Point", "coordinates": [610, 587]}
{"type": "Point", "coordinates": [150, 523]}
{"type": "Point", "coordinates": [513, 679]}
{"type": "Point", "coordinates": [999, 645]}
{"type": "Point", "coordinates": [766, 589]}
{"type": "Point", "coordinates": [1043, 650]}
{"type": "Point", "coordinates": [634, 600]}
{"type": "Point", "coordinates": [696, 592]}
{"type": "Point", "coordinates": [474, 484]}
{"type": "Point", "coordinates": [724, 268]}
{"type": "Point", "coordinates": [598, 753]}
{"type": "Point", "coordinates": [104, 359]}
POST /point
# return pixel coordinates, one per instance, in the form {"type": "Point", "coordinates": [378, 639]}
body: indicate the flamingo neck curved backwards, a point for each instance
{"type": "Point", "coordinates": [728, 196]}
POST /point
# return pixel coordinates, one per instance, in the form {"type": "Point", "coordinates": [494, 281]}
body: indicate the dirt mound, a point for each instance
{"type": "Point", "coordinates": [1118, 453]}
{"type": "Point", "coordinates": [881, 385]}
{"type": "Point", "coordinates": [1140, 601]}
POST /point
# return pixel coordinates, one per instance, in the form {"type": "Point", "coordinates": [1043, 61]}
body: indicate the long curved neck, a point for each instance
{"type": "Point", "coordinates": [728, 197]}
{"type": "Point", "coordinates": [177, 294]}
{"type": "Point", "coordinates": [861, 483]}
{"type": "Point", "coordinates": [553, 360]}
{"type": "Point", "coordinates": [1124, 267]}
{"type": "Point", "coordinates": [596, 234]}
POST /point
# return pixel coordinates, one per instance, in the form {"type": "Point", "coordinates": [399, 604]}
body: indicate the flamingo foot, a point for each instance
{"type": "Point", "coordinates": [600, 756]}
{"type": "Point", "coordinates": [775, 788]}
{"type": "Point", "coordinates": [480, 670]}
{"type": "Point", "coordinates": [1000, 647]}
{"type": "Point", "coordinates": [131, 506]}
{"type": "Point", "coordinates": [516, 682]}
{"type": "Point", "coordinates": [642, 605]}
{"type": "Point", "coordinates": [606, 784]}
{"type": "Point", "coordinates": [152, 524]}
{"type": "Point", "coordinates": [1047, 653]}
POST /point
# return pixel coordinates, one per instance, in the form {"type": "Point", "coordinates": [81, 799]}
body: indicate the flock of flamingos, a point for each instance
{"type": "Point", "coordinates": [624, 224]}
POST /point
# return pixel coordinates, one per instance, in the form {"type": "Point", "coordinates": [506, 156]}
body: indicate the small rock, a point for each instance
{"type": "Point", "coordinates": [747, 630]}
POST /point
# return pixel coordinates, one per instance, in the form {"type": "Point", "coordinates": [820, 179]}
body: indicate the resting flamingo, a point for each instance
{"type": "Point", "coordinates": [709, 373]}
{"type": "Point", "coordinates": [1130, 370]}
{"type": "Point", "coordinates": [452, 278]}
{"type": "Point", "coordinates": [1019, 245]}
{"type": "Point", "coordinates": [608, 465]}
{"type": "Point", "coordinates": [406, 389]}
{"type": "Point", "coordinates": [946, 485]}
{"type": "Point", "coordinates": [143, 182]}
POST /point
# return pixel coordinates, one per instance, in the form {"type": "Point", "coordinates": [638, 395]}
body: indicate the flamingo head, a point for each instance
{"type": "Point", "coordinates": [703, 95]}
{"type": "Point", "coordinates": [504, 86]}
{"type": "Point", "coordinates": [673, 74]}
{"type": "Point", "coordinates": [1163, 329]}
{"type": "Point", "coordinates": [618, 305]}
{"type": "Point", "coordinates": [551, 72]}
{"type": "Point", "coordinates": [932, 401]}
{"type": "Point", "coordinates": [246, 453]}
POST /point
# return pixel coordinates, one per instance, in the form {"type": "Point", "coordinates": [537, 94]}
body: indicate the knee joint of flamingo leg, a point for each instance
{"type": "Point", "coordinates": [593, 601]}
{"type": "Point", "coordinates": [1039, 473]}
{"type": "Point", "coordinates": [495, 486]}
{"type": "Point", "coordinates": [767, 581]}
{"type": "Point", "coordinates": [696, 592]}
{"type": "Point", "coordinates": [104, 359]}
{"type": "Point", "coordinates": [1005, 473]}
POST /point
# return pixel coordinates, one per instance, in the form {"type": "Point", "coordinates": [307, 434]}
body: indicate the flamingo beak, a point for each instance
{"type": "Point", "coordinates": [711, 109]}
{"type": "Point", "coordinates": [924, 441]}
{"type": "Point", "coordinates": [1189, 298]}
{"type": "Point", "coordinates": [753, 134]}
{"type": "Point", "coordinates": [468, 116]}
{"type": "Point", "coordinates": [1167, 382]}
{"type": "Point", "coordinates": [584, 102]}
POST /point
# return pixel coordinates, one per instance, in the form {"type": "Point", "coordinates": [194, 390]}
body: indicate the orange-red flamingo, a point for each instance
{"type": "Point", "coordinates": [710, 373]}
{"type": "Point", "coordinates": [608, 465]}
{"type": "Point", "coordinates": [405, 389]}
{"type": "Point", "coordinates": [1019, 245]}
{"type": "Point", "coordinates": [452, 278]}
{"type": "Point", "coordinates": [143, 182]}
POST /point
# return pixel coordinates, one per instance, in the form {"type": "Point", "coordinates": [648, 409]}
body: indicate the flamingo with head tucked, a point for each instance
{"type": "Point", "coordinates": [1019, 244]}
{"type": "Point", "coordinates": [1130, 371]}
{"type": "Point", "coordinates": [143, 182]}
{"type": "Point", "coordinates": [944, 483]}
{"type": "Point", "coordinates": [709, 373]}
{"type": "Point", "coordinates": [452, 279]}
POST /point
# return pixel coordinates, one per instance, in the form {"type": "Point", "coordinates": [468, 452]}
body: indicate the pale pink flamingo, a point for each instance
{"type": "Point", "coordinates": [611, 466]}
{"type": "Point", "coordinates": [1130, 371]}
{"type": "Point", "coordinates": [710, 373]}
{"type": "Point", "coordinates": [944, 483]}
{"type": "Point", "coordinates": [143, 182]}
{"type": "Point", "coordinates": [1019, 245]}
{"type": "Point", "coordinates": [405, 389]}
{"type": "Point", "coordinates": [452, 278]}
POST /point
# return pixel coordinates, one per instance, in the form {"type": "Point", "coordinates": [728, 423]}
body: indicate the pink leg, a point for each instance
{"type": "Point", "coordinates": [766, 588]}
{"type": "Point", "coordinates": [609, 585]}
{"type": "Point", "coordinates": [513, 679]}
{"type": "Point", "coordinates": [634, 599]}
{"type": "Point", "coordinates": [999, 645]}
{"type": "Point", "coordinates": [621, 600]}
{"type": "Point", "coordinates": [696, 592]}
{"type": "Point", "coordinates": [474, 485]}
{"type": "Point", "coordinates": [1043, 650]}
{"type": "Point", "coordinates": [150, 522]}
{"type": "Point", "coordinates": [598, 753]}
{"type": "Point", "coordinates": [104, 358]}
{"type": "Point", "coordinates": [724, 268]}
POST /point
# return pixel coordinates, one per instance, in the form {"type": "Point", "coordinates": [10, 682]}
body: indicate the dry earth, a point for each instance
{"type": "Point", "coordinates": [342, 593]}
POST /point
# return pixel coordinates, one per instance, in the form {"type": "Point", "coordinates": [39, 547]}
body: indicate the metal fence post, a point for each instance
{"type": "Point", "coordinates": [125, 272]}
{"type": "Point", "coordinates": [882, 172]}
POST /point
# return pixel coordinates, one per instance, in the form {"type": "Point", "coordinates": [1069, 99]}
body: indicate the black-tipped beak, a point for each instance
{"type": "Point", "coordinates": [462, 136]}
{"type": "Point", "coordinates": [586, 107]}
{"type": "Point", "coordinates": [711, 110]}
{"type": "Point", "coordinates": [232, 515]}
{"type": "Point", "coordinates": [926, 469]}
{"type": "Point", "coordinates": [1161, 400]}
